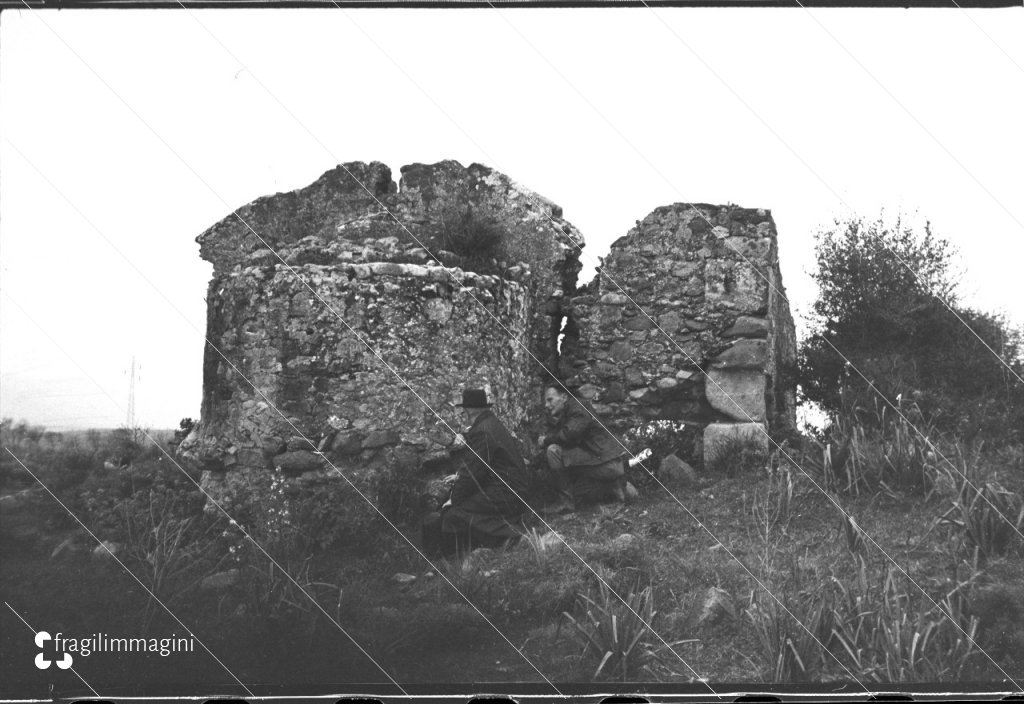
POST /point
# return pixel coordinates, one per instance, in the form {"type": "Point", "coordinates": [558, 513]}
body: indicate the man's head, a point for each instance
{"type": "Point", "coordinates": [474, 402]}
{"type": "Point", "coordinates": [554, 400]}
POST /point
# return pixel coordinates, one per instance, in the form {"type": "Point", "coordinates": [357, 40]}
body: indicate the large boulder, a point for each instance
{"type": "Point", "coordinates": [737, 393]}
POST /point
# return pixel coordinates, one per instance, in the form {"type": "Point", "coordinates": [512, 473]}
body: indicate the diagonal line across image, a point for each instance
{"type": "Point", "coordinates": [406, 229]}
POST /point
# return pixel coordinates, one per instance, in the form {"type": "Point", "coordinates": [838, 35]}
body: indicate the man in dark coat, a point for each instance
{"type": "Point", "coordinates": [586, 461]}
{"type": "Point", "coordinates": [485, 508]}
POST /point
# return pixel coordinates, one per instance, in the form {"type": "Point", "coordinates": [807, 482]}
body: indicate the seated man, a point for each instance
{"type": "Point", "coordinates": [484, 509]}
{"type": "Point", "coordinates": [586, 461]}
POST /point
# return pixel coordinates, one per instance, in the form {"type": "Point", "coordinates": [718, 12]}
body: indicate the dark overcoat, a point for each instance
{"type": "Point", "coordinates": [491, 473]}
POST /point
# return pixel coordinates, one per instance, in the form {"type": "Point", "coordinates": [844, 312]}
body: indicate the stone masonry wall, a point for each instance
{"type": "Point", "coordinates": [434, 197]}
{"type": "Point", "coordinates": [716, 345]}
{"type": "Point", "coordinates": [371, 256]}
{"type": "Point", "coordinates": [312, 375]}
{"type": "Point", "coordinates": [459, 278]}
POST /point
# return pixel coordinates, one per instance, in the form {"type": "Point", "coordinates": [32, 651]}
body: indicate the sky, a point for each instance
{"type": "Point", "coordinates": [127, 133]}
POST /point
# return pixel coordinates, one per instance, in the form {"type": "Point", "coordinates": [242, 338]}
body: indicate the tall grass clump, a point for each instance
{"type": "Point", "coordinates": [875, 627]}
{"type": "Point", "coordinates": [737, 456]}
{"type": "Point", "coordinates": [868, 450]}
{"type": "Point", "coordinates": [772, 508]}
{"type": "Point", "coordinates": [887, 632]}
{"type": "Point", "coordinates": [988, 519]}
{"type": "Point", "coordinates": [614, 632]}
{"type": "Point", "coordinates": [165, 541]}
{"type": "Point", "coordinates": [543, 547]}
{"type": "Point", "coordinates": [983, 517]}
{"type": "Point", "coordinates": [791, 634]}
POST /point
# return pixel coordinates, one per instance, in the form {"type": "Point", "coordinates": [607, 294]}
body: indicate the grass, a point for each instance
{"type": "Point", "coordinates": [850, 610]}
{"type": "Point", "coordinates": [983, 515]}
{"type": "Point", "coordinates": [165, 549]}
{"type": "Point", "coordinates": [615, 632]}
{"type": "Point", "coordinates": [790, 635]}
{"type": "Point", "coordinates": [875, 450]}
{"type": "Point", "coordinates": [888, 633]}
{"type": "Point", "coordinates": [771, 508]}
{"type": "Point", "coordinates": [736, 456]}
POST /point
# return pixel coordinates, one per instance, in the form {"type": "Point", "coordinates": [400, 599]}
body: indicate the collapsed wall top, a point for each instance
{"type": "Point", "coordinates": [282, 220]}
{"type": "Point", "coordinates": [327, 301]}
{"type": "Point", "coordinates": [471, 217]}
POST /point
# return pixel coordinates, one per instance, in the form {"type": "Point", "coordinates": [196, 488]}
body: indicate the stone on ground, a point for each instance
{"type": "Point", "coordinates": [718, 605]}
{"type": "Point", "coordinates": [220, 580]}
{"type": "Point", "coordinates": [107, 550]}
{"type": "Point", "coordinates": [674, 471]}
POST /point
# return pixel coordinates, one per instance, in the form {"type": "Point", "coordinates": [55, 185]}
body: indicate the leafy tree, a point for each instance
{"type": "Point", "coordinates": [878, 305]}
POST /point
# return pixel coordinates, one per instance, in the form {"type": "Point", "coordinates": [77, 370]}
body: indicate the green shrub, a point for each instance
{"type": "Point", "coordinates": [107, 496]}
{"type": "Point", "coordinates": [185, 426]}
{"type": "Point", "coordinates": [475, 235]}
{"type": "Point", "coordinates": [879, 290]}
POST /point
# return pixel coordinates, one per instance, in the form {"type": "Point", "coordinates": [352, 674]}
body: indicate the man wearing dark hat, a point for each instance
{"type": "Point", "coordinates": [586, 462]}
{"type": "Point", "coordinates": [485, 509]}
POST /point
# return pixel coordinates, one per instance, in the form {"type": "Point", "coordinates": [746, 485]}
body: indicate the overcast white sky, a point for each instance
{"type": "Point", "coordinates": [127, 133]}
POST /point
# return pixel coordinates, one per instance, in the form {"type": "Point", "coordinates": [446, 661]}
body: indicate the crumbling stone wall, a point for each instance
{"type": "Point", "coordinates": [460, 277]}
{"type": "Point", "coordinates": [303, 361]}
{"type": "Point", "coordinates": [714, 344]}
{"type": "Point", "coordinates": [372, 257]}
{"type": "Point", "coordinates": [533, 231]}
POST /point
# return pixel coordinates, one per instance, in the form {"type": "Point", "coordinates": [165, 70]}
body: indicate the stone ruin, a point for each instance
{"type": "Point", "coordinates": [345, 318]}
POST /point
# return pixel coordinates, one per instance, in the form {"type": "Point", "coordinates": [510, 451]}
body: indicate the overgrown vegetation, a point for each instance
{"type": "Point", "coordinates": [879, 306]}
{"type": "Point", "coordinates": [616, 632]}
{"type": "Point", "coordinates": [986, 518]}
{"type": "Point", "coordinates": [872, 449]}
{"type": "Point", "coordinates": [735, 456]}
{"type": "Point", "coordinates": [884, 548]}
{"type": "Point", "coordinates": [473, 234]}
{"type": "Point", "coordinates": [336, 563]}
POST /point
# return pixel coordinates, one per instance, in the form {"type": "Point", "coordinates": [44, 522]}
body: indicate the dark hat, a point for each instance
{"type": "Point", "coordinates": [474, 398]}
